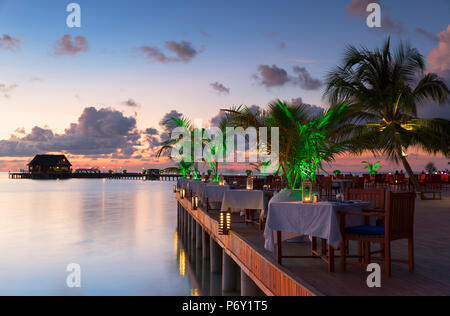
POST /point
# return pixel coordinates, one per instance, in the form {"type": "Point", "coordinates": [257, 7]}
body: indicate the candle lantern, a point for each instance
{"type": "Point", "coordinates": [194, 202]}
{"type": "Point", "coordinates": [182, 193]}
{"type": "Point", "coordinates": [307, 191]}
{"type": "Point", "coordinates": [203, 178]}
{"type": "Point", "coordinates": [175, 189]}
{"type": "Point", "coordinates": [221, 180]}
{"type": "Point", "coordinates": [316, 198]}
{"type": "Point", "coordinates": [249, 183]}
{"type": "Point", "coordinates": [224, 222]}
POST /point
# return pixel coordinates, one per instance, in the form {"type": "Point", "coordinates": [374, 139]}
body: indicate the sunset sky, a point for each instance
{"type": "Point", "coordinates": [98, 93]}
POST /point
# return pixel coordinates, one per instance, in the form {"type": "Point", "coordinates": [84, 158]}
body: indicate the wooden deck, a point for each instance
{"type": "Point", "coordinates": [245, 244]}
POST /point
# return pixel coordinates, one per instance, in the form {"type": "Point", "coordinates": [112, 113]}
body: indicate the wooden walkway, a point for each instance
{"type": "Point", "coordinates": [245, 244]}
{"type": "Point", "coordinates": [116, 176]}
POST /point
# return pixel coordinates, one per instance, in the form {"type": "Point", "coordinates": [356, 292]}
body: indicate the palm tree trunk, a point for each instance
{"type": "Point", "coordinates": [410, 173]}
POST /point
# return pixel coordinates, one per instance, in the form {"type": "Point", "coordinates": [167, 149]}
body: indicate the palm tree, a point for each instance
{"type": "Point", "coordinates": [186, 164]}
{"type": "Point", "coordinates": [385, 90]}
{"type": "Point", "coordinates": [306, 141]}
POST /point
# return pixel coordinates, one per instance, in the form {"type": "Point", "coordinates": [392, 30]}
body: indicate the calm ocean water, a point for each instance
{"type": "Point", "coordinates": [122, 234]}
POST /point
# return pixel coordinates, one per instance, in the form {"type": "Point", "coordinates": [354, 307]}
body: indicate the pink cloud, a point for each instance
{"type": "Point", "coordinates": [439, 57]}
{"type": "Point", "coordinates": [68, 46]}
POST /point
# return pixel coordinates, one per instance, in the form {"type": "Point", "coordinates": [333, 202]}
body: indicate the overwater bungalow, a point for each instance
{"type": "Point", "coordinates": [46, 165]}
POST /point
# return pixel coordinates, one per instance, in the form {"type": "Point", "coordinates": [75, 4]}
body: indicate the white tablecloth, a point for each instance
{"type": "Point", "coordinates": [195, 186]}
{"type": "Point", "coordinates": [182, 183]}
{"type": "Point", "coordinates": [213, 192]}
{"type": "Point", "coordinates": [317, 220]}
{"type": "Point", "coordinates": [238, 200]}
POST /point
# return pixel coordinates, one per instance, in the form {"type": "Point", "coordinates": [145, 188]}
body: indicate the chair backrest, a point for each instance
{"type": "Point", "coordinates": [400, 214]}
{"type": "Point", "coordinates": [436, 178]}
{"type": "Point", "coordinates": [379, 178]}
{"type": "Point", "coordinates": [374, 196]}
{"type": "Point", "coordinates": [358, 182]}
{"type": "Point", "coordinates": [326, 183]}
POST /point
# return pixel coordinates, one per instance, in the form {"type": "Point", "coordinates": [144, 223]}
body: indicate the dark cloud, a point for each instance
{"type": "Point", "coordinates": [68, 46]}
{"type": "Point", "coordinates": [220, 88]}
{"type": "Point", "coordinates": [304, 79]}
{"type": "Point", "coordinates": [5, 90]}
{"type": "Point", "coordinates": [152, 137]}
{"type": "Point", "coordinates": [10, 43]}
{"type": "Point", "coordinates": [168, 124]}
{"type": "Point", "coordinates": [217, 119]}
{"type": "Point", "coordinates": [271, 76]}
{"type": "Point", "coordinates": [97, 133]}
{"type": "Point", "coordinates": [389, 25]}
{"type": "Point", "coordinates": [254, 109]}
{"type": "Point", "coordinates": [151, 131]}
{"type": "Point", "coordinates": [131, 103]}
{"type": "Point", "coordinates": [427, 34]}
{"type": "Point", "coordinates": [357, 8]}
{"type": "Point", "coordinates": [438, 61]}
{"type": "Point", "coordinates": [314, 109]}
{"type": "Point", "coordinates": [154, 53]}
{"type": "Point", "coordinates": [297, 101]}
{"type": "Point", "coordinates": [184, 52]}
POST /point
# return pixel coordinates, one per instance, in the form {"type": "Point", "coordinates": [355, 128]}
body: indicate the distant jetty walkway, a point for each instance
{"type": "Point", "coordinates": [117, 176]}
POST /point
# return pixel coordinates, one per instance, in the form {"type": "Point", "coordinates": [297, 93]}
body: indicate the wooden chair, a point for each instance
{"type": "Point", "coordinates": [399, 224]}
{"type": "Point", "coordinates": [374, 196]}
{"type": "Point", "coordinates": [377, 198]}
{"type": "Point", "coordinates": [358, 182]}
{"type": "Point", "coordinates": [326, 187]}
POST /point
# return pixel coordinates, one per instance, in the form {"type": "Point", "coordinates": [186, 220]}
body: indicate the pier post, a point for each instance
{"type": "Point", "coordinates": [189, 227]}
{"type": "Point", "coordinates": [205, 242]}
{"type": "Point", "coordinates": [229, 274]}
{"type": "Point", "coordinates": [216, 256]}
{"type": "Point", "coordinates": [199, 230]}
{"type": "Point", "coordinates": [248, 287]}
{"type": "Point", "coordinates": [184, 225]}
{"type": "Point", "coordinates": [193, 226]}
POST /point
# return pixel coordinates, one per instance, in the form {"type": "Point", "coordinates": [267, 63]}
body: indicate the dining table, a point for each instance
{"type": "Point", "coordinates": [182, 183]}
{"type": "Point", "coordinates": [317, 220]}
{"type": "Point", "coordinates": [194, 187]}
{"type": "Point", "coordinates": [246, 202]}
{"type": "Point", "coordinates": [212, 193]}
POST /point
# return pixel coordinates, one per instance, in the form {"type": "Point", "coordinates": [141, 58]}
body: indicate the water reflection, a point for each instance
{"type": "Point", "coordinates": [191, 263]}
{"type": "Point", "coordinates": [120, 232]}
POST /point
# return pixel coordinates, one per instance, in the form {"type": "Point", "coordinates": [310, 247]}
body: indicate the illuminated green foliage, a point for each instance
{"type": "Point", "coordinates": [372, 168]}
